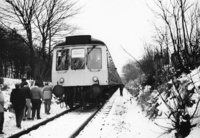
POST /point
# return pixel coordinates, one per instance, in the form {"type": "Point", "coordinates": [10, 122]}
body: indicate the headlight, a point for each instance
{"type": "Point", "coordinates": [61, 80]}
{"type": "Point", "coordinates": [95, 79]}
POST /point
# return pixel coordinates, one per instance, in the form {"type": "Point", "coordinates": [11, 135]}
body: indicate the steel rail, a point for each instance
{"type": "Point", "coordinates": [26, 131]}
{"type": "Point", "coordinates": [82, 126]}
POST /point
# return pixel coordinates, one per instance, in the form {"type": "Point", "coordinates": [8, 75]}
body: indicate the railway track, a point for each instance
{"type": "Point", "coordinates": [73, 120]}
{"type": "Point", "coordinates": [34, 127]}
{"type": "Point", "coordinates": [104, 109]}
{"type": "Point", "coordinates": [98, 120]}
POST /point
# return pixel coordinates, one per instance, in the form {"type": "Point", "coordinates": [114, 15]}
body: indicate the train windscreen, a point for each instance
{"type": "Point", "coordinates": [78, 59]}
{"type": "Point", "coordinates": [62, 59]}
{"type": "Point", "coordinates": [94, 58]}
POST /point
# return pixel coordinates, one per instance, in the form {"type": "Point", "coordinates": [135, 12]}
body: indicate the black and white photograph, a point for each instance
{"type": "Point", "coordinates": [99, 68]}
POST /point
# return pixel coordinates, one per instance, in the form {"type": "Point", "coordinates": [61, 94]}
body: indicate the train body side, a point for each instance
{"type": "Point", "coordinates": [113, 76]}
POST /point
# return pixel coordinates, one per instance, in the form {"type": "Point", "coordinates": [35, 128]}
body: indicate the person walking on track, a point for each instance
{"type": "Point", "coordinates": [121, 89]}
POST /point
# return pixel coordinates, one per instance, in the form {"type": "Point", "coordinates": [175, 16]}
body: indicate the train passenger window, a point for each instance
{"type": "Point", "coordinates": [62, 59]}
{"type": "Point", "coordinates": [78, 59]}
{"type": "Point", "coordinates": [94, 59]}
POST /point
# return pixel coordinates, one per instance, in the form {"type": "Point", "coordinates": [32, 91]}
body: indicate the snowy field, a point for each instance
{"type": "Point", "coordinates": [125, 119]}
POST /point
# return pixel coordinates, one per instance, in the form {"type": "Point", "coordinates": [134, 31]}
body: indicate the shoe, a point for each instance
{"type": "Point", "coordinates": [1, 132]}
{"type": "Point", "coordinates": [24, 119]}
{"type": "Point", "coordinates": [29, 118]}
{"type": "Point", "coordinates": [18, 126]}
{"type": "Point", "coordinates": [48, 113]}
{"type": "Point", "coordinates": [39, 118]}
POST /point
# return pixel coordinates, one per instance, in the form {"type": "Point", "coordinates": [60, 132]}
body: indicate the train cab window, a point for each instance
{"type": "Point", "coordinates": [94, 58]}
{"type": "Point", "coordinates": [78, 59]}
{"type": "Point", "coordinates": [62, 59]}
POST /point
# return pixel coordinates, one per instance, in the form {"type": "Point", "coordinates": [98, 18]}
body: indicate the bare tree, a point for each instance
{"type": "Point", "coordinates": [180, 17]}
{"type": "Point", "coordinates": [51, 20]}
{"type": "Point", "coordinates": [42, 20]}
{"type": "Point", "coordinates": [20, 13]}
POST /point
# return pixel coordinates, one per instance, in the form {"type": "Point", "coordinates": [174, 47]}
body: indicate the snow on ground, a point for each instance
{"type": "Point", "coordinates": [10, 123]}
{"type": "Point", "coordinates": [125, 119]}
{"type": "Point", "coordinates": [61, 127]}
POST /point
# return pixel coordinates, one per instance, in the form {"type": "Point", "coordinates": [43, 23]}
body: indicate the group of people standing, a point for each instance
{"type": "Point", "coordinates": [27, 101]}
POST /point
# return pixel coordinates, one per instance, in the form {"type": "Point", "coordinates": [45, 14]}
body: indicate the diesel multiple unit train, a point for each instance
{"type": "Point", "coordinates": [83, 70]}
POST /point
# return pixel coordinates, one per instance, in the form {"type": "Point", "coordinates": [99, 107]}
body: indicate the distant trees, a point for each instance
{"type": "Point", "coordinates": [42, 23]}
{"type": "Point", "coordinates": [14, 54]}
{"type": "Point", "coordinates": [130, 71]}
{"type": "Point", "coordinates": [150, 70]}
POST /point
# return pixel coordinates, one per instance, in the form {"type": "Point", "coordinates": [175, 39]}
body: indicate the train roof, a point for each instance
{"type": "Point", "coordinates": [81, 39]}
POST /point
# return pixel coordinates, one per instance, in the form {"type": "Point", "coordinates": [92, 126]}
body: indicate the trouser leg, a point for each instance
{"type": "Point", "coordinates": [48, 105]}
{"type": "Point", "coordinates": [24, 113]}
{"type": "Point", "coordinates": [17, 117]}
{"type": "Point", "coordinates": [29, 112]}
{"type": "Point", "coordinates": [38, 108]}
{"type": "Point", "coordinates": [1, 121]}
{"type": "Point", "coordinates": [33, 113]}
{"type": "Point", "coordinates": [45, 105]}
{"type": "Point", "coordinates": [34, 107]}
{"type": "Point", "coordinates": [28, 108]}
{"type": "Point", "coordinates": [21, 112]}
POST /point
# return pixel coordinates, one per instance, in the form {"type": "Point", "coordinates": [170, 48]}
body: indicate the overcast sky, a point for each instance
{"type": "Point", "coordinates": [126, 23]}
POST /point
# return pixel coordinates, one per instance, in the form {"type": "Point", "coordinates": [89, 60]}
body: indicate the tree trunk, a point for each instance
{"type": "Point", "coordinates": [1, 68]}
{"type": "Point", "coordinates": [32, 52]}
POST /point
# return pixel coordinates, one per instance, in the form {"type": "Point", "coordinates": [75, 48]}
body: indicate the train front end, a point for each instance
{"type": "Point", "coordinates": [79, 69]}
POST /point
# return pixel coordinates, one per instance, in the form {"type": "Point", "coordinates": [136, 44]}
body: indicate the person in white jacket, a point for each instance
{"type": "Point", "coordinates": [1, 111]}
{"type": "Point", "coordinates": [47, 96]}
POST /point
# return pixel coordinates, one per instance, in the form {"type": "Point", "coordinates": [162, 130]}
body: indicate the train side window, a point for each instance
{"type": "Point", "coordinates": [62, 59]}
{"type": "Point", "coordinates": [78, 59]}
{"type": "Point", "coordinates": [94, 59]}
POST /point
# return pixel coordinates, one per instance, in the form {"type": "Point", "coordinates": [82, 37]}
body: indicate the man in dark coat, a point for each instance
{"type": "Point", "coordinates": [27, 93]}
{"type": "Point", "coordinates": [18, 101]}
